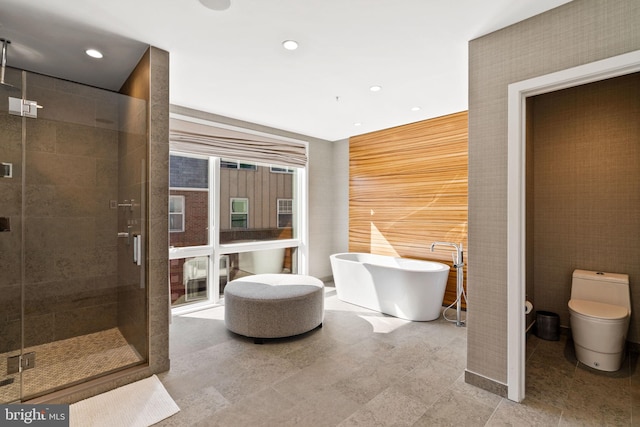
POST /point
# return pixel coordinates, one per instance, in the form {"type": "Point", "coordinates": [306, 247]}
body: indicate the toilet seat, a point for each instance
{"type": "Point", "coordinates": [598, 310]}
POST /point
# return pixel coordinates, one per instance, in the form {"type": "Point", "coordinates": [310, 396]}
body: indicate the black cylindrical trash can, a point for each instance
{"type": "Point", "coordinates": [547, 325]}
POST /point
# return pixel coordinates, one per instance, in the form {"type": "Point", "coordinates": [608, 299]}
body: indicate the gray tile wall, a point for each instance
{"type": "Point", "coordinates": [576, 33]}
{"type": "Point", "coordinates": [158, 203]}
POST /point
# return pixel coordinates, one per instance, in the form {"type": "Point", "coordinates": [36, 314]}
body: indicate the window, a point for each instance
{"type": "Point", "coordinates": [176, 214]}
{"type": "Point", "coordinates": [210, 199]}
{"type": "Point", "coordinates": [285, 213]}
{"type": "Point", "coordinates": [233, 164]}
{"type": "Point", "coordinates": [279, 169]}
{"type": "Point", "coordinates": [239, 213]}
{"type": "Point", "coordinates": [189, 198]}
{"type": "Point", "coordinates": [195, 273]}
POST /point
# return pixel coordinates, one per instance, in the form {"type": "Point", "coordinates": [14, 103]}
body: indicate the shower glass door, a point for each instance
{"type": "Point", "coordinates": [11, 264]}
{"type": "Point", "coordinates": [75, 296]}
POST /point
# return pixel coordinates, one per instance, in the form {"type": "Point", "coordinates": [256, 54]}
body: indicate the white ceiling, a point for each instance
{"type": "Point", "coordinates": [231, 62]}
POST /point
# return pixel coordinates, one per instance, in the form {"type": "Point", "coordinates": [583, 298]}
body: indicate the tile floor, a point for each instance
{"type": "Point", "coordinates": [366, 369]}
{"type": "Point", "coordinates": [68, 361]}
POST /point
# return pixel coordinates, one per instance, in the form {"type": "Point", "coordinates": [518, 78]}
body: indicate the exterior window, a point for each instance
{"type": "Point", "coordinates": [195, 273]}
{"type": "Point", "coordinates": [239, 213]}
{"type": "Point", "coordinates": [285, 213]}
{"type": "Point", "coordinates": [233, 164]}
{"type": "Point", "coordinates": [176, 214]}
{"type": "Point", "coordinates": [212, 239]}
{"type": "Point", "coordinates": [280, 169]}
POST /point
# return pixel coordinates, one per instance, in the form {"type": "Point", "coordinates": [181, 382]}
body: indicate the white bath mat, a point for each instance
{"type": "Point", "coordinates": [142, 404]}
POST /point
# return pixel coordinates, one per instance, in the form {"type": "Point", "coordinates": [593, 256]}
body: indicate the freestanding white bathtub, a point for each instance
{"type": "Point", "coordinates": [401, 287]}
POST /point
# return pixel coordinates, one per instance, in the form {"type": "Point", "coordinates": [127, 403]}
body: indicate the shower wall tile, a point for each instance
{"type": "Point", "coordinates": [133, 118]}
{"type": "Point", "coordinates": [131, 318]}
{"type": "Point", "coordinates": [64, 107]}
{"type": "Point", "coordinates": [56, 232]}
{"type": "Point", "coordinates": [42, 200]}
{"type": "Point", "coordinates": [107, 177]}
{"type": "Point", "coordinates": [99, 96]}
{"type": "Point", "coordinates": [130, 142]}
{"type": "Point", "coordinates": [69, 201]}
{"type": "Point", "coordinates": [39, 329]}
{"type": "Point", "coordinates": [10, 198]}
{"type": "Point", "coordinates": [44, 298]}
{"type": "Point", "coordinates": [41, 135]}
{"type": "Point", "coordinates": [39, 266]}
{"type": "Point", "coordinates": [47, 169]}
{"type": "Point", "coordinates": [39, 81]}
{"type": "Point", "coordinates": [86, 141]}
{"type": "Point", "coordinates": [10, 303]}
{"type": "Point", "coordinates": [11, 128]}
{"type": "Point", "coordinates": [83, 321]}
{"type": "Point", "coordinates": [10, 265]}
{"type": "Point", "coordinates": [106, 228]}
{"type": "Point", "coordinates": [108, 112]}
{"type": "Point", "coordinates": [11, 335]}
{"type": "Point", "coordinates": [133, 168]}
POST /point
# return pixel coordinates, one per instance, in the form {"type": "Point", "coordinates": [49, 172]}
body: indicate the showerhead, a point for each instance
{"type": "Point", "coordinates": [3, 63]}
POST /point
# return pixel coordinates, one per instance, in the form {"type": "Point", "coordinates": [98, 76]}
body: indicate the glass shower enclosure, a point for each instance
{"type": "Point", "coordinates": [73, 294]}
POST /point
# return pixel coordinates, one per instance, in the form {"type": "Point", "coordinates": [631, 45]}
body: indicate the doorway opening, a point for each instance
{"type": "Point", "coordinates": [516, 195]}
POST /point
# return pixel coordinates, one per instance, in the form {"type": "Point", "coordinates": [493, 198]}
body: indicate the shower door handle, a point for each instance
{"type": "Point", "coordinates": [137, 249]}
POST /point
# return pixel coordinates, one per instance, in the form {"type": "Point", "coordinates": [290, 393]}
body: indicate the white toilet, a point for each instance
{"type": "Point", "coordinates": [600, 308]}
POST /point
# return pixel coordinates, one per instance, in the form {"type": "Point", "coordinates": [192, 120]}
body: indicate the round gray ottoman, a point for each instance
{"type": "Point", "coordinates": [273, 305]}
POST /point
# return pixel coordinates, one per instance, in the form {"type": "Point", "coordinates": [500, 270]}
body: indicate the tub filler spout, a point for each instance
{"type": "Point", "coordinates": [458, 264]}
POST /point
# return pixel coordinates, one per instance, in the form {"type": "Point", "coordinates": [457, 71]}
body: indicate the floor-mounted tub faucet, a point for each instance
{"type": "Point", "coordinates": [458, 264]}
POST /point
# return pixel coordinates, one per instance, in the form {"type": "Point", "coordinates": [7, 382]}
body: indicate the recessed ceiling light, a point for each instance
{"type": "Point", "coordinates": [216, 4]}
{"type": "Point", "coordinates": [357, 124]}
{"type": "Point", "coordinates": [290, 44]}
{"type": "Point", "coordinates": [416, 109]}
{"type": "Point", "coordinates": [94, 53]}
{"type": "Point", "coordinates": [375, 88]}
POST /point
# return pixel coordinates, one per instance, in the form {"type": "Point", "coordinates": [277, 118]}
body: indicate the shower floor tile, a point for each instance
{"type": "Point", "coordinates": [69, 361]}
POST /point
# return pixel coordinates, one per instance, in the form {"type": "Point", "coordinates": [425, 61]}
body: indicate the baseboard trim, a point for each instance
{"type": "Point", "coordinates": [485, 383]}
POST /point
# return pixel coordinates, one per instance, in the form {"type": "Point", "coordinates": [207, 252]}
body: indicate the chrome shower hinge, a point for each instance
{"type": "Point", "coordinates": [23, 107]}
{"type": "Point", "coordinates": [20, 363]}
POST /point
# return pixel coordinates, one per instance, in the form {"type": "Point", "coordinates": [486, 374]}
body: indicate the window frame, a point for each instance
{"type": "Point", "coordinates": [288, 212]}
{"type": "Point", "coordinates": [280, 169]}
{"type": "Point", "coordinates": [182, 213]}
{"type": "Point", "coordinates": [232, 213]}
{"type": "Point", "coordinates": [239, 165]}
{"type": "Point", "coordinates": [218, 252]}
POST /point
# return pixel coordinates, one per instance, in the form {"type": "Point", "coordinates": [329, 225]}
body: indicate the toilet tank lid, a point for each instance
{"type": "Point", "coordinates": [601, 276]}
{"type": "Point", "coordinates": [598, 309]}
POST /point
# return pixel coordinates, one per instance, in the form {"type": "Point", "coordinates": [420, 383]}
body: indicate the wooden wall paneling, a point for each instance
{"type": "Point", "coordinates": [408, 188]}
